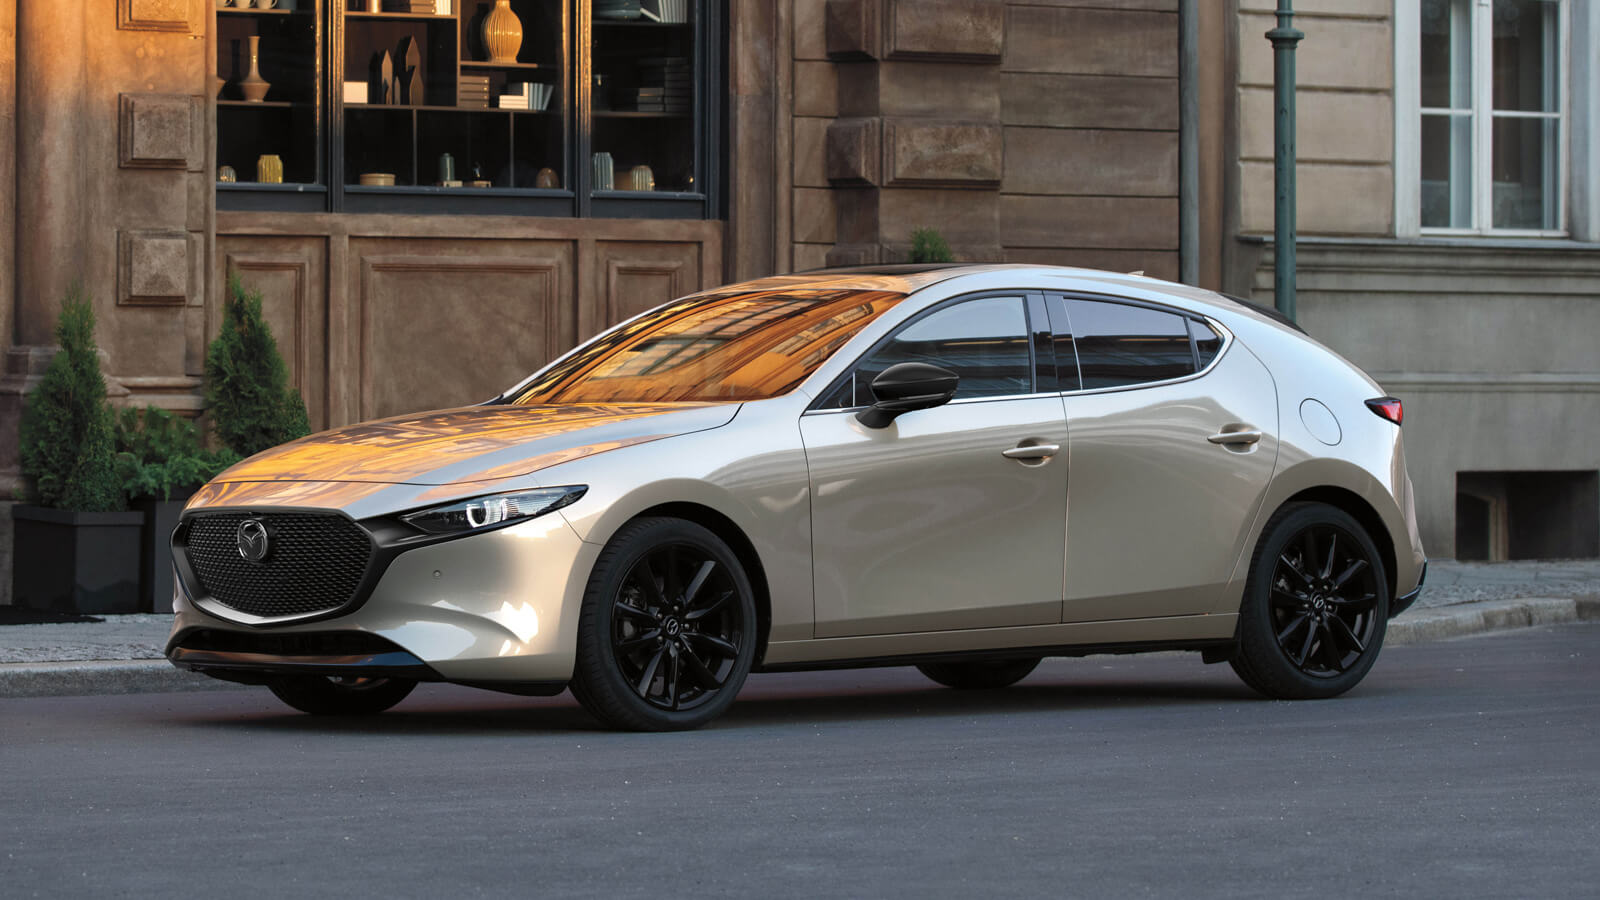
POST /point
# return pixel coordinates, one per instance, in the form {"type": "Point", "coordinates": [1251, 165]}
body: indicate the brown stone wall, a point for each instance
{"type": "Point", "coordinates": [1041, 132]}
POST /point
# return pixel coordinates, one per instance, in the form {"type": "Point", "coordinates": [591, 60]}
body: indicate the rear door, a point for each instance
{"type": "Point", "coordinates": [1167, 473]}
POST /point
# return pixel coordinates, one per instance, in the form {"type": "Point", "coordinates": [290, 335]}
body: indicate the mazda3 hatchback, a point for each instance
{"type": "Point", "coordinates": [963, 468]}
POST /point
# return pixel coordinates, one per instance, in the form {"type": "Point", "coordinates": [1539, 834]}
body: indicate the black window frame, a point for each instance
{"type": "Point", "coordinates": [578, 199]}
{"type": "Point", "coordinates": [1033, 303]}
{"type": "Point", "coordinates": [1056, 305]}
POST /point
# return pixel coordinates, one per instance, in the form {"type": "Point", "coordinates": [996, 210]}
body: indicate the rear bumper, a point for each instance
{"type": "Point", "coordinates": [1403, 602]}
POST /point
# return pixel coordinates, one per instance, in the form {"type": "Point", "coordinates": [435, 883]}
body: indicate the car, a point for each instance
{"type": "Point", "coordinates": [962, 468]}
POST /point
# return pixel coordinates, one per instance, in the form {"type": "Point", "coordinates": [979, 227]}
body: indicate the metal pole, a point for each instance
{"type": "Point", "coordinates": [1283, 38]}
{"type": "Point", "coordinates": [1188, 143]}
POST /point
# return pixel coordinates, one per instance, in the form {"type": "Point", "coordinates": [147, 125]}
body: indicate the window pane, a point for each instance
{"type": "Point", "coordinates": [983, 341]}
{"type": "Point", "coordinates": [643, 96]}
{"type": "Point", "coordinates": [1525, 167]}
{"type": "Point", "coordinates": [1525, 55]}
{"type": "Point", "coordinates": [1446, 54]}
{"type": "Point", "coordinates": [1120, 345]}
{"type": "Point", "coordinates": [282, 122]}
{"type": "Point", "coordinates": [1446, 171]}
{"type": "Point", "coordinates": [1207, 343]}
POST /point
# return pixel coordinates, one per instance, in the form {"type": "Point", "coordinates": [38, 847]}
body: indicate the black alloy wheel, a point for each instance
{"type": "Point", "coordinates": [667, 634]}
{"type": "Point", "coordinates": [340, 696]}
{"type": "Point", "coordinates": [1316, 609]}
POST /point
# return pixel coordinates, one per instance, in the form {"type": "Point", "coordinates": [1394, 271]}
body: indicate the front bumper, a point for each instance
{"type": "Point", "coordinates": [496, 607]}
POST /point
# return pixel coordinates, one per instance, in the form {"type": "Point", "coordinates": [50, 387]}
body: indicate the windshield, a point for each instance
{"type": "Point", "coordinates": [713, 347]}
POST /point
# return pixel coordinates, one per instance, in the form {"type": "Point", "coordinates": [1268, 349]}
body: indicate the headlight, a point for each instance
{"type": "Point", "coordinates": [495, 509]}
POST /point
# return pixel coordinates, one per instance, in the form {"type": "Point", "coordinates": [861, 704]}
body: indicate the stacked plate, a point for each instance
{"type": "Point", "coordinates": [670, 11]}
{"type": "Point", "coordinates": [617, 9]}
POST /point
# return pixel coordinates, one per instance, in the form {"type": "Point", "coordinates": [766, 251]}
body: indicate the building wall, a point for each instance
{"type": "Point", "coordinates": [1042, 132]}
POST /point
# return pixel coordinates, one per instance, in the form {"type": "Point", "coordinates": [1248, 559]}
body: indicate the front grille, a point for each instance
{"type": "Point", "coordinates": [315, 562]}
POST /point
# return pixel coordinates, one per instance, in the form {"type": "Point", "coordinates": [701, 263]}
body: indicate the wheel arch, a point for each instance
{"type": "Point", "coordinates": [732, 535]}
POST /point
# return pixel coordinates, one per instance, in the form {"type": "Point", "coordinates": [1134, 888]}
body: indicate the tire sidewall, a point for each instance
{"type": "Point", "coordinates": [597, 677]}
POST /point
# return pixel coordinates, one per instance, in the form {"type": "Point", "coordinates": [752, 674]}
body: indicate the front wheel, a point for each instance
{"type": "Point", "coordinates": [329, 696]}
{"type": "Point", "coordinates": [1315, 607]}
{"type": "Point", "coordinates": [668, 628]}
{"type": "Point", "coordinates": [985, 674]}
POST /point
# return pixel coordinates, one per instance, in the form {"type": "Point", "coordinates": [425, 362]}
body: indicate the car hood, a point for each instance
{"type": "Point", "coordinates": [473, 444]}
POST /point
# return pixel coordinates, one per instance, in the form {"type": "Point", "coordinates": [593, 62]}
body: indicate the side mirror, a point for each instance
{"type": "Point", "coordinates": [904, 387]}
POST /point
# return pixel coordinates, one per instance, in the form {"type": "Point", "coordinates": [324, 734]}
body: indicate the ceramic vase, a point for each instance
{"type": "Point", "coordinates": [502, 33]}
{"type": "Point", "coordinates": [253, 86]}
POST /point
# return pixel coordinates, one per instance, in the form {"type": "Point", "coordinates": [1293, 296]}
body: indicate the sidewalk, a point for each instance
{"type": "Point", "coordinates": [123, 654]}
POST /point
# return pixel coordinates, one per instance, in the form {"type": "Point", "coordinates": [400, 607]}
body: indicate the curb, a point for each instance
{"type": "Point", "coordinates": [102, 676]}
{"type": "Point", "coordinates": [141, 676]}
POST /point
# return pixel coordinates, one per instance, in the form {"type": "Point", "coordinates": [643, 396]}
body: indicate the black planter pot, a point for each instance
{"type": "Point", "coordinates": [155, 552]}
{"type": "Point", "coordinates": [78, 562]}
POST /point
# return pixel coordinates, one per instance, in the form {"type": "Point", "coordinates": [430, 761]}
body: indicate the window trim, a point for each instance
{"type": "Point", "coordinates": [1408, 112]}
{"type": "Point", "coordinates": [1022, 294]}
{"type": "Point", "coordinates": [1222, 331]}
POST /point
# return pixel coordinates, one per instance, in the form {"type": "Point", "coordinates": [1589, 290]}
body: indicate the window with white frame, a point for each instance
{"type": "Point", "coordinates": [1493, 107]}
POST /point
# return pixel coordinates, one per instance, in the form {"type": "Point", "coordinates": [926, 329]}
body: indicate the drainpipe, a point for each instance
{"type": "Point", "coordinates": [1188, 142]}
{"type": "Point", "coordinates": [1283, 38]}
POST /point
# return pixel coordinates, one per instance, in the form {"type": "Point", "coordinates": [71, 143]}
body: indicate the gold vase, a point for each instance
{"type": "Point", "coordinates": [502, 33]}
{"type": "Point", "coordinates": [269, 169]}
{"type": "Point", "coordinates": [253, 86]}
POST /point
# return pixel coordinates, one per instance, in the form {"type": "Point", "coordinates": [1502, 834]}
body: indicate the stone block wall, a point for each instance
{"type": "Point", "coordinates": [1023, 133]}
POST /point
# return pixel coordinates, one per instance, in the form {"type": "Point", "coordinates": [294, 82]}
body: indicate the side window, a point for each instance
{"type": "Point", "coordinates": [1121, 345]}
{"type": "Point", "coordinates": [985, 341]}
{"type": "Point", "coordinates": [1207, 343]}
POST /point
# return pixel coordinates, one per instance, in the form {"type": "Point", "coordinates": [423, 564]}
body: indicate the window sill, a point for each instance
{"type": "Point", "coordinates": [1555, 241]}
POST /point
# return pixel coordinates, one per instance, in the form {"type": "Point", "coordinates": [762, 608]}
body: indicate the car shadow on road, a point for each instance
{"type": "Point", "coordinates": [767, 700]}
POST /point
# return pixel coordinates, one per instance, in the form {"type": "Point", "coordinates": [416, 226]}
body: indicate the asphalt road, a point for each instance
{"type": "Point", "coordinates": [1459, 769]}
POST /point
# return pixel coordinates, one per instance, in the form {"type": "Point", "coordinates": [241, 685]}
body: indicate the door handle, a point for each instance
{"type": "Point", "coordinates": [1031, 451]}
{"type": "Point", "coordinates": [1242, 436]}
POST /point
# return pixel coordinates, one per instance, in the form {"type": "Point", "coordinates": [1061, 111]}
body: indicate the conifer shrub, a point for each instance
{"type": "Point", "coordinates": [66, 429]}
{"type": "Point", "coordinates": [929, 246]}
{"type": "Point", "coordinates": [251, 404]}
{"type": "Point", "coordinates": [159, 454]}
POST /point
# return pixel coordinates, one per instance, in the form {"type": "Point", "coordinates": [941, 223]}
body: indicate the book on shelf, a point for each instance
{"type": "Point", "coordinates": [423, 7]}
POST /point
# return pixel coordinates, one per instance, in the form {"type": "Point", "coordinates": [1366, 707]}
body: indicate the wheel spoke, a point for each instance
{"type": "Point", "coordinates": [708, 609]}
{"type": "Point", "coordinates": [671, 680]}
{"type": "Point", "coordinates": [1294, 570]}
{"type": "Point", "coordinates": [634, 643]}
{"type": "Point", "coordinates": [670, 582]}
{"type": "Point", "coordinates": [650, 673]}
{"type": "Point", "coordinates": [698, 582]}
{"type": "Point", "coordinates": [1308, 555]}
{"type": "Point", "coordinates": [647, 573]}
{"type": "Point", "coordinates": [1331, 654]}
{"type": "Point", "coordinates": [1333, 550]}
{"type": "Point", "coordinates": [1359, 604]}
{"type": "Point", "coordinates": [1305, 648]}
{"type": "Point", "coordinates": [715, 643]}
{"type": "Point", "coordinates": [706, 677]}
{"type": "Point", "coordinates": [1349, 572]}
{"type": "Point", "coordinates": [629, 609]}
{"type": "Point", "coordinates": [1345, 632]}
{"type": "Point", "coordinates": [1282, 598]}
{"type": "Point", "coordinates": [1291, 628]}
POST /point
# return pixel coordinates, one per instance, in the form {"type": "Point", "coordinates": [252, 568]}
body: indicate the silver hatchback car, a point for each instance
{"type": "Point", "coordinates": [962, 468]}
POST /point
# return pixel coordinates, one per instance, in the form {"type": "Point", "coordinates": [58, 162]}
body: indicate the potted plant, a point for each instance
{"type": "Point", "coordinates": [160, 463]}
{"type": "Point", "coordinates": [250, 402]}
{"type": "Point", "coordinates": [76, 548]}
{"type": "Point", "coordinates": [929, 246]}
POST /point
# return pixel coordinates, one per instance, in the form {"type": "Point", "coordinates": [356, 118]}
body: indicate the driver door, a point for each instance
{"type": "Point", "coordinates": [924, 525]}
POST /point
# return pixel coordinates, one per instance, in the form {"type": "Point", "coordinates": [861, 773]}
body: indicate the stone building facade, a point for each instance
{"type": "Point", "coordinates": [1047, 131]}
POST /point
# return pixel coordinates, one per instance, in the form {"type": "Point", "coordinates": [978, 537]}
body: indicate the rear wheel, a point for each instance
{"type": "Point", "coordinates": [980, 674]}
{"type": "Point", "coordinates": [331, 696]}
{"type": "Point", "coordinates": [668, 629]}
{"type": "Point", "coordinates": [1315, 608]}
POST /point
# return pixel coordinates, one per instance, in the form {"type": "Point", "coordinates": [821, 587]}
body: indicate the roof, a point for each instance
{"type": "Point", "coordinates": [901, 278]}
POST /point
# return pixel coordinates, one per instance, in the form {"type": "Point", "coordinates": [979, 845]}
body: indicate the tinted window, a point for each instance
{"type": "Point", "coordinates": [1121, 345]}
{"type": "Point", "coordinates": [1207, 343]}
{"type": "Point", "coordinates": [984, 341]}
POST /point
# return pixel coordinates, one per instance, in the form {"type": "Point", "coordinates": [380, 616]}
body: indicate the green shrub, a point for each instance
{"type": "Point", "coordinates": [159, 454]}
{"type": "Point", "coordinates": [929, 246]}
{"type": "Point", "coordinates": [247, 385]}
{"type": "Point", "coordinates": [65, 433]}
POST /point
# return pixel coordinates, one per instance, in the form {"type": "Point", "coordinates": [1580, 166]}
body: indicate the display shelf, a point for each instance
{"type": "Point", "coordinates": [478, 64]}
{"type": "Point", "coordinates": [262, 104]}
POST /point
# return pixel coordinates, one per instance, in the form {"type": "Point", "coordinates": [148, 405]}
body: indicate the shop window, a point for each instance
{"type": "Point", "coordinates": [471, 106]}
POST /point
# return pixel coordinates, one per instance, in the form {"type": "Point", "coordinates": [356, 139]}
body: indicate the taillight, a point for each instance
{"type": "Point", "coordinates": [1388, 407]}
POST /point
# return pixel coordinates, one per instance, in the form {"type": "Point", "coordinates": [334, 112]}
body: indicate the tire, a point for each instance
{"type": "Point", "coordinates": [325, 696]}
{"type": "Point", "coordinates": [1315, 606]}
{"type": "Point", "coordinates": [986, 674]}
{"type": "Point", "coordinates": [668, 630]}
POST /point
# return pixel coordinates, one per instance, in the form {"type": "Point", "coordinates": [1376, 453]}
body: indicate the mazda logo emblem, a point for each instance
{"type": "Point", "coordinates": [253, 540]}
